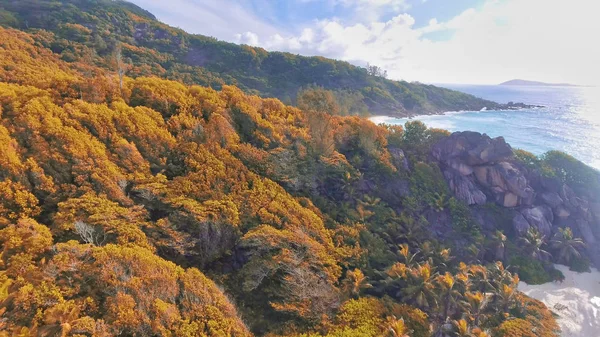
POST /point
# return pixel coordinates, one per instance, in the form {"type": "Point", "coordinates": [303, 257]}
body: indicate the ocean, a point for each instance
{"type": "Point", "coordinates": [569, 121]}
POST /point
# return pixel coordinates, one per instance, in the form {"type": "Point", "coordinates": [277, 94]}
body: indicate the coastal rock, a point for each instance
{"type": "Point", "coordinates": [460, 167]}
{"type": "Point", "coordinates": [551, 184]}
{"type": "Point", "coordinates": [399, 158]}
{"type": "Point", "coordinates": [595, 209]}
{"type": "Point", "coordinates": [464, 189]}
{"type": "Point", "coordinates": [586, 232]}
{"type": "Point", "coordinates": [520, 224]}
{"type": "Point", "coordinates": [489, 177]}
{"type": "Point", "coordinates": [507, 183]}
{"type": "Point", "coordinates": [515, 180]}
{"type": "Point", "coordinates": [569, 197]}
{"type": "Point", "coordinates": [541, 218]}
{"type": "Point", "coordinates": [584, 207]}
{"type": "Point", "coordinates": [551, 199]}
{"type": "Point", "coordinates": [548, 214]}
{"type": "Point", "coordinates": [510, 200]}
{"type": "Point", "coordinates": [490, 151]}
{"type": "Point", "coordinates": [472, 148]}
{"type": "Point", "coordinates": [562, 212]}
{"type": "Point", "coordinates": [529, 197]}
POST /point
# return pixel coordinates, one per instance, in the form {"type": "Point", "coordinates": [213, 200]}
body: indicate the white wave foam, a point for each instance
{"type": "Point", "coordinates": [380, 119]}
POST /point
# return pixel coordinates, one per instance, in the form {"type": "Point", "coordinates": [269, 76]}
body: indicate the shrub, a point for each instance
{"type": "Point", "coordinates": [580, 265]}
{"type": "Point", "coordinates": [530, 271]}
{"type": "Point", "coordinates": [462, 220]}
{"type": "Point", "coordinates": [533, 162]}
{"type": "Point", "coordinates": [515, 328]}
{"type": "Point", "coordinates": [556, 275]}
{"type": "Point", "coordinates": [428, 186]}
{"type": "Point", "coordinates": [572, 172]}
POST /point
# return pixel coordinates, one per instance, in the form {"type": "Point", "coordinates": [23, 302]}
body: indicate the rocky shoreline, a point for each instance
{"type": "Point", "coordinates": [510, 106]}
{"type": "Point", "coordinates": [518, 106]}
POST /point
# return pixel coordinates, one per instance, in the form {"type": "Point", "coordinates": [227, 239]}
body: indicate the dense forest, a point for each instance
{"type": "Point", "coordinates": [142, 206]}
{"type": "Point", "coordinates": [95, 29]}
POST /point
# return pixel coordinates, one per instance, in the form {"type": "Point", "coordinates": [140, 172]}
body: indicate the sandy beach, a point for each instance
{"type": "Point", "coordinates": [576, 301]}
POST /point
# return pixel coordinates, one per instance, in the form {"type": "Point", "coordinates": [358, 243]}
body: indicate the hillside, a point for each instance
{"type": "Point", "coordinates": [160, 209]}
{"type": "Point", "coordinates": [93, 30]}
{"type": "Point", "coordinates": [136, 205]}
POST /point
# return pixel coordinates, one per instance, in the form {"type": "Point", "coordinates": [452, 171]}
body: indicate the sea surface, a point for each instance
{"type": "Point", "coordinates": [569, 121]}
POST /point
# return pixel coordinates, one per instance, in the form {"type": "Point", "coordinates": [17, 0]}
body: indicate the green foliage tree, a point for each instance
{"type": "Point", "coordinates": [566, 246]}
{"type": "Point", "coordinates": [315, 99]}
{"type": "Point", "coordinates": [533, 244]}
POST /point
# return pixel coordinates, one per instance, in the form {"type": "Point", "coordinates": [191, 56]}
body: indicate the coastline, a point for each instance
{"type": "Point", "coordinates": [377, 118]}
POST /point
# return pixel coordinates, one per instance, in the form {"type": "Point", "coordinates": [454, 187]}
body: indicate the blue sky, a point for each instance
{"type": "Point", "coordinates": [432, 41]}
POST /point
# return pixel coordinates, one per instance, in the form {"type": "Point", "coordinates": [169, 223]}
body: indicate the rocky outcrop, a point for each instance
{"type": "Point", "coordinates": [399, 159]}
{"type": "Point", "coordinates": [472, 148]}
{"type": "Point", "coordinates": [551, 199]}
{"type": "Point", "coordinates": [540, 217]}
{"type": "Point", "coordinates": [480, 170]}
{"type": "Point", "coordinates": [521, 224]}
{"type": "Point", "coordinates": [464, 188]}
{"type": "Point", "coordinates": [507, 183]}
{"type": "Point", "coordinates": [477, 166]}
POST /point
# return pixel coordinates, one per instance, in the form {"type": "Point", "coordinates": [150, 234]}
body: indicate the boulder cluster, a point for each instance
{"type": "Point", "coordinates": [480, 170]}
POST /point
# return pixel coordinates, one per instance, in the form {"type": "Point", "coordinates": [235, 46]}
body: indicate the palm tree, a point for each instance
{"type": "Point", "coordinates": [532, 244]}
{"type": "Point", "coordinates": [421, 288]}
{"type": "Point", "coordinates": [437, 255]}
{"type": "Point", "coordinates": [363, 208]}
{"type": "Point", "coordinates": [507, 296]}
{"type": "Point", "coordinates": [449, 294]}
{"type": "Point", "coordinates": [504, 285]}
{"type": "Point", "coordinates": [461, 328]}
{"type": "Point", "coordinates": [498, 242]}
{"type": "Point", "coordinates": [355, 281]}
{"type": "Point", "coordinates": [406, 255]}
{"type": "Point", "coordinates": [479, 278]}
{"type": "Point", "coordinates": [396, 328]}
{"type": "Point", "coordinates": [566, 245]}
{"type": "Point", "coordinates": [477, 303]}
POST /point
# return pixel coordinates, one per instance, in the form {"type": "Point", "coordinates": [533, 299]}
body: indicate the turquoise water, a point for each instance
{"type": "Point", "coordinates": [569, 122]}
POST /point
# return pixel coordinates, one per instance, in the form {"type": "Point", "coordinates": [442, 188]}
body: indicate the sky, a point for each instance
{"type": "Point", "coordinates": [430, 41]}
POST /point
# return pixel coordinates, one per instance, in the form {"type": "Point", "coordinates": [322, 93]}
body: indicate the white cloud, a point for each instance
{"type": "Point", "coordinates": [547, 40]}
{"type": "Point", "coordinates": [372, 10]}
{"type": "Point", "coordinates": [248, 38]}
{"type": "Point", "coordinates": [453, 24]}
{"type": "Point", "coordinates": [368, 10]}
{"type": "Point", "coordinates": [223, 19]}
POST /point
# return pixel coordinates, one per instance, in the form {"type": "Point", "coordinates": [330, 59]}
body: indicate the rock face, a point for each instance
{"type": "Point", "coordinates": [399, 158]}
{"type": "Point", "coordinates": [464, 188]}
{"type": "Point", "coordinates": [521, 224]}
{"type": "Point", "coordinates": [541, 218]}
{"type": "Point", "coordinates": [480, 170]}
{"type": "Point", "coordinates": [506, 182]}
{"type": "Point", "coordinates": [472, 148]}
{"type": "Point", "coordinates": [551, 199]}
{"type": "Point", "coordinates": [477, 167]}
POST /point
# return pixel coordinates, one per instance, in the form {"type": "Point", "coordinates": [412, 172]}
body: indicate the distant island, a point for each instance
{"type": "Point", "coordinates": [534, 83]}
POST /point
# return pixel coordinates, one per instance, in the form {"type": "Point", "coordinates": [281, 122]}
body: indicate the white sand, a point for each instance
{"type": "Point", "coordinates": [576, 301]}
